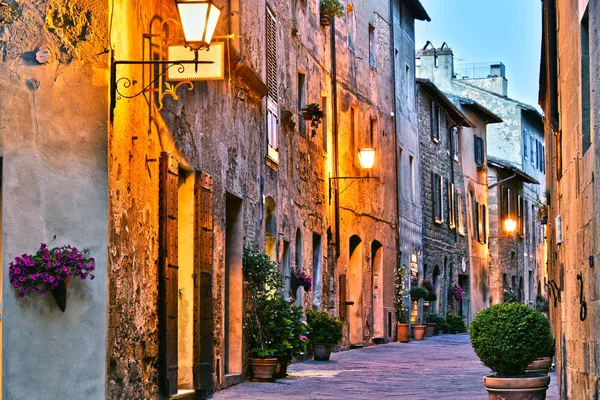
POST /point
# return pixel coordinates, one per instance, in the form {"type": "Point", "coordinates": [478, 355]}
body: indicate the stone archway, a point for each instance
{"type": "Point", "coordinates": [355, 291]}
{"type": "Point", "coordinates": [377, 311]}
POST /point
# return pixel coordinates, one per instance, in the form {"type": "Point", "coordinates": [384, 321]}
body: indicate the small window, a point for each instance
{"type": "Point", "coordinates": [301, 101]}
{"type": "Point", "coordinates": [455, 143]}
{"type": "Point", "coordinates": [505, 210]}
{"type": "Point", "coordinates": [272, 95]}
{"type": "Point", "coordinates": [438, 194]}
{"type": "Point", "coordinates": [479, 151]}
{"type": "Point", "coordinates": [521, 216]}
{"type": "Point", "coordinates": [435, 122]}
{"type": "Point", "coordinates": [412, 179]}
{"type": "Point", "coordinates": [482, 223]}
{"type": "Point", "coordinates": [451, 206]}
{"type": "Point", "coordinates": [475, 218]}
{"type": "Point", "coordinates": [532, 150]}
{"type": "Point", "coordinates": [372, 47]}
{"type": "Point", "coordinates": [461, 221]}
{"type": "Point", "coordinates": [351, 18]}
{"type": "Point", "coordinates": [324, 127]}
{"type": "Point", "coordinates": [525, 140]}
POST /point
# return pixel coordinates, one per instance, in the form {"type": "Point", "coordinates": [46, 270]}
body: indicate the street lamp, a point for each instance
{"type": "Point", "coordinates": [366, 156]}
{"type": "Point", "coordinates": [510, 225]}
{"type": "Point", "coordinates": [198, 19]}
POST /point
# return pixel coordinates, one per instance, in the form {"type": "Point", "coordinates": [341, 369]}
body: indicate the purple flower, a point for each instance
{"type": "Point", "coordinates": [302, 337]}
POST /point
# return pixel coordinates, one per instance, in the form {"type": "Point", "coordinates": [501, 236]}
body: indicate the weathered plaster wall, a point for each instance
{"type": "Point", "coordinates": [574, 197]}
{"type": "Point", "coordinates": [410, 204]}
{"type": "Point", "coordinates": [54, 190]}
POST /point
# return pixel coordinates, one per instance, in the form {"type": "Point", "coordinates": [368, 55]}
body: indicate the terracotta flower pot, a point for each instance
{"type": "Point", "coordinates": [540, 366]}
{"type": "Point", "coordinates": [263, 369]}
{"type": "Point", "coordinates": [429, 329]}
{"type": "Point", "coordinates": [418, 331]}
{"type": "Point", "coordinates": [402, 332]}
{"type": "Point", "coordinates": [531, 387]}
{"type": "Point", "coordinates": [321, 351]}
{"type": "Point", "coordinates": [281, 369]}
{"type": "Point", "coordinates": [325, 20]}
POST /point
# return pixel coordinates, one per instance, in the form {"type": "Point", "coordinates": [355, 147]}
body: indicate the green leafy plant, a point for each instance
{"type": "Point", "coordinates": [316, 115]}
{"type": "Point", "coordinates": [332, 8]}
{"type": "Point", "coordinates": [455, 324]}
{"type": "Point", "coordinates": [542, 207]}
{"type": "Point", "coordinates": [439, 321]}
{"type": "Point", "coordinates": [510, 296]}
{"type": "Point", "coordinates": [507, 337]}
{"type": "Point", "coordinates": [418, 292]}
{"type": "Point", "coordinates": [541, 304]}
{"type": "Point", "coordinates": [400, 308]}
{"type": "Point", "coordinates": [272, 325]}
{"type": "Point", "coordinates": [323, 328]}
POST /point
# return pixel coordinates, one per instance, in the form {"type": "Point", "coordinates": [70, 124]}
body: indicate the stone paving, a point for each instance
{"type": "Point", "coordinates": [441, 367]}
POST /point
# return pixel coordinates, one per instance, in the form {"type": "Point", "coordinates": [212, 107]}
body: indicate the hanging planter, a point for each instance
{"type": "Point", "coordinates": [50, 270]}
{"type": "Point", "coordinates": [330, 9]}
{"type": "Point", "coordinates": [313, 113]}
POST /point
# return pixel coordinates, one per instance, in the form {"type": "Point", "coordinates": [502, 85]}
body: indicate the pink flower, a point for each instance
{"type": "Point", "coordinates": [303, 338]}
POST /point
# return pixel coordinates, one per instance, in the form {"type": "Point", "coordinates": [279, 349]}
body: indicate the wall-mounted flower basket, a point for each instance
{"type": "Point", "coordinates": [50, 270]}
{"type": "Point", "coordinates": [300, 279]}
{"type": "Point", "coordinates": [313, 113]}
{"type": "Point", "coordinates": [330, 9]}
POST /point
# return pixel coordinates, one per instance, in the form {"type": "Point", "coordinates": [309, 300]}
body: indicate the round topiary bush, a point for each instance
{"type": "Point", "coordinates": [507, 337]}
{"type": "Point", "coordinates": [418, 292]}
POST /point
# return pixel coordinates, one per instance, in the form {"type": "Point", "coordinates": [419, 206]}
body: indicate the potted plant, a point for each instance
{"type": "Point", "coordinates": [400, 308]}
{"type": "Point", "coordinates": [439, 323]}
{"type": "Point", "coordinates": [300, 278]}
{"type": "Point", "coordinates": [416, 293]}
{"type": "Point", "coordinates": [330, 9]}
{"type": "Point", "coordinates": [507, 337]}
{"type": "Point", "coordinates": [431, 296]}
{"type": "Point", "coordinates": [324, 331]}
{"type": "Point", "coordinates": [50, 270]}
{"type": "Point", "coordinates": [542, 365]}
{"type": "Point", "coordinates": [454, 324]}
{"type": "Point", "coordinates": [272, 324]}
{"type": "Point", "coordinates": [312, 112]}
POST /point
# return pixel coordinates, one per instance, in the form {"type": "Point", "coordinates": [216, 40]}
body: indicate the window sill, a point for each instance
{"type": "Point", "coordinates": [272, 158]}
{"type": "Point", "coordinates": [438, 221]}
{"type": "Point", "coordinates": [435, 140]}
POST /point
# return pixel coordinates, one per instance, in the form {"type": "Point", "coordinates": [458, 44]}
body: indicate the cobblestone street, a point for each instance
{"type": "Point", "coordinates": [441, 367]}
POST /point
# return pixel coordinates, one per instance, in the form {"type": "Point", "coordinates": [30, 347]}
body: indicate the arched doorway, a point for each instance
{"type": "Point", "coordinates": [270, 228]}
{"type": "Point", "coordinates": [377, 297]}
{"type": "Point", "coordinates": [438, 289]}
{"type": "Point", "coordinates": [355, 291]}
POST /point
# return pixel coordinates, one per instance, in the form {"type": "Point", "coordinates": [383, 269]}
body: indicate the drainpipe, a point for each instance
{"type": "Point", "coordinates": [451, 144]}
{"type": "Point", "coordinates": [336, 200]}
{"type": "Point", "coordinates": [397, 187]}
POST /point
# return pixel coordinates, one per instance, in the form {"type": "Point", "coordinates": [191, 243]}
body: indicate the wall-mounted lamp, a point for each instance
{"type": "Point", "coordinates": [198, 19]}
{"type": "Point", "coordinates": [419, 252]}
{"type": "Point", "coordinates": [510, 225]}
{"type": "Point", "coordinates": [366, 156]}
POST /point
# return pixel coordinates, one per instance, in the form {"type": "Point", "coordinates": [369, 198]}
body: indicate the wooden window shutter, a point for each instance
{"type": "Point", "coordinates": [342, 289]}
{"type": "Point", "coordinates": [483, 218]}
{"type": "Point", "coordinates": [168, 284]}
{"type": "Point", "coordinates": [435, 189]}
{"type": "Point", "coordinates": [203, 286]}
{"type": "Point", "coordinates": [271, 56]}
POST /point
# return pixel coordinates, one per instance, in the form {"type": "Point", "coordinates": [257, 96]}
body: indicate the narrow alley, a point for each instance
{"type": "Point", "coordinates": [440, 367]}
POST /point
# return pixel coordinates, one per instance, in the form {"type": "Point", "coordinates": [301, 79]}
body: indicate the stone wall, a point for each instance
{"type": "Point", "coordinates": [53, 127]}
{"type": "Point", "coordinates": [444, 248]}
{"type": "Point", "coordinates": [574, 197]}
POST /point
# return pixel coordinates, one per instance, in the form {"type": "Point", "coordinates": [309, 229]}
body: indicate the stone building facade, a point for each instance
{"type": "Point", "coordinates": [171, 190]}
{"type": "Point", "coordinates": [570, 97]}
{"type": "Point", "coordinates": [517, 141]}
{"type": "Point", "coordinates": [445, 246]}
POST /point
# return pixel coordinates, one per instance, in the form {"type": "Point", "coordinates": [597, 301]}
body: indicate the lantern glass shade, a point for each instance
{"type": "Point", "coordinates": [366, 157]}
{"type": "Point", "coordinates": [198, 20]}
{"type": "Point", "coordinates": [510, 225]}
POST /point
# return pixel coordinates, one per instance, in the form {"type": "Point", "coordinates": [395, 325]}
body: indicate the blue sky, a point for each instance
{"type": "Point", "coordinates": [490, 30]}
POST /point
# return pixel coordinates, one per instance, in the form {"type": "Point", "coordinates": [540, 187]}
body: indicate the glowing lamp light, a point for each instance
{"type": "Point", "coordinates": [510, 225]}
{"type": "Point", "coordinates": [198, 19]}
{"type": "Point", "coordinates": [366, 157]}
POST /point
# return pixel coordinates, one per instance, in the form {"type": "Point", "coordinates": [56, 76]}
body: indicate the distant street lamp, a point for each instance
{"type": "Point", "coordinates": [366, 156]}
{"type": "Point", "coordinates": [510, 225]}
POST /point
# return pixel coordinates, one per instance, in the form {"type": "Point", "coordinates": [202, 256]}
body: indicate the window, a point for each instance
{"type": "Point", "coordinates": [372, 131]}
{"type": "Point", "coordinates": [505, 210]}
{"type": "Point", "coordinates": [461, 222]}
{"type": "Point", "coordinates": [451, 206]}
{"type": "Point", "coordinates": [372, 47]}
{"type": "Point", "coordinates": [479, 151]}
{"type": "Point", "coordinates": [455, 143]}
{"type": "Point", "coordinates": [351, 27]}
{"type": "Point", "coordinates": [525, 218]}
{"type": "Point", "coordinates": [301, 100]}
{"type": "Point", "coordinates": [520, 216]}
{"type": "Point", "coordinates": [532, 149]}
{"type": "Point", "coordinates": [272, 95]}
{"type": "Point", "coordinates": [525, 140]}
{"type": "Point", "coordinates": [438, 203]}
{"type": "Point", "coordinates": [411, 160]}
{"type": "Point", "coordinates": [482, 223]}
{"type": "Point", "coordinates": [475, 218]}
{"type": "Point", "coordinates": [558, 149]}
{"type": "Point", "coordinates": [435, 122]}
{"type": "Point", "coordinates": [353, 132]}
{"type": "Point", "coordinates": [586, 139]}
{"type": "Point", "coordinates": [543, 159]}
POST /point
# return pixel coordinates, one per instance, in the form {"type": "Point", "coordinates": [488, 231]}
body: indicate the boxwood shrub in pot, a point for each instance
{"type": "Point", "coordinates": [324, 331]}
{"type": "Point", "coordinates": [507, 337]}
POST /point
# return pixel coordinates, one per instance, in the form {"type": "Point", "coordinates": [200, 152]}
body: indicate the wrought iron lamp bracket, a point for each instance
{"type": "Point", "coordinates": [333, 178]}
